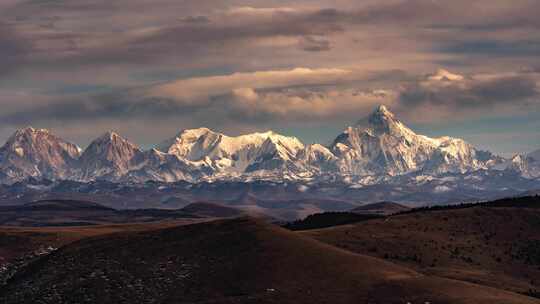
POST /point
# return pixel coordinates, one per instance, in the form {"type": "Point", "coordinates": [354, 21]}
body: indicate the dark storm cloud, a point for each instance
{"type": "Point", "coordinates": [188, 39]}
{"type": "Point", "coordinates": [13, 49]}
{"type": "Point", "coordinates": [314, 44]}
{"type": "Point", "coordinates": [496, 48]}
{"type": "Point", "coordinates": [115, 105]}
{"type": "Point", "coordinates": [120, 107]}
{"type": "Point", "coordinates": [472, 93]}
{"type": "Point", "coordinates": [121, 32]}
{"type": "Point", "coordinates": [278, 95]}
{"type": "Point", "coordinates": [451, 14]}
{"type": "Point", "coordinates": [506, 89]}
{"type": "Point", "coordinates": [218, 34]}
{"type": "Point", "coordinates": [195, 19]}
{"type": "Point", "coordinates": [458, 14]}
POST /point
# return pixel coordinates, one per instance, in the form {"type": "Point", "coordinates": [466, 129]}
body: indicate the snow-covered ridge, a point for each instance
{"type": "Point", "coordinates": [33, 152]}
{"type": "Point", "coordinates": [527, 164]}
{"type": "Point", "coordinates": [379, 145]}
{"type": "Point", "coordinates": [387, 146]}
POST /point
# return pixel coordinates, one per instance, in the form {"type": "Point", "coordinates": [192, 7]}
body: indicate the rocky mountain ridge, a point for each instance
{"type": "Point", "coordinates": [378, 147]}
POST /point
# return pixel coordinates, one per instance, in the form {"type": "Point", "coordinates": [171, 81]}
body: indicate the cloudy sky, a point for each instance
{"type": "Point", "coordinates": [307, 68]}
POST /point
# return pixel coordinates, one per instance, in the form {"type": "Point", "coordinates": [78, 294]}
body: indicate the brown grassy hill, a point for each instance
{"type": "Point", "coordinates": [498, 247]}
{"type": "Point", "coordinates": [79, 213]}
{"type": "Point", "coordinates": [229, 261]}
{"type": "Point", "coordinates": [16, 242]}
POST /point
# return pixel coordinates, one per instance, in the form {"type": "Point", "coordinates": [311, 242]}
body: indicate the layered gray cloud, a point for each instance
{"type": "Point", "coordinates": [13, 49]}
{"type": "Point", "coordinates": [99, 32]}
{"type": "Point", "coordinates": [296, 95]}
{"type": "Point", "coordinates": [472, 92]}
{"type": "Point", "coordinates": [180, 40]}
{"type": "Point", "coordinates": [253, 64]}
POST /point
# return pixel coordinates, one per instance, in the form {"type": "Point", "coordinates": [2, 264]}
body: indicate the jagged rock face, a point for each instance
{"type": "Point", "coordinates": [37, 153]}
{"type": "Point", "coordinates": [373, 149]}
{"type": "Point", "coordinates": [318, 159]}
{"type": "Point", "coordinates": [158, 166]}
{"type": "Point", "coordinates": [235, 155]}
{"type": "Point", "coordinates": [194, 144]}
{"type": "Point", "coordinates": [109, 156]}
{"type": "Point", "coordinates": [533, 164]}
{"type": "Point", "coordinates": [453, 155]}
{"type": "Point", "coordinates": [527, 165]}
{"type": "Point", "coordinates": [387, 146]}
{"type": "Point", "coordinates": [277, 153]}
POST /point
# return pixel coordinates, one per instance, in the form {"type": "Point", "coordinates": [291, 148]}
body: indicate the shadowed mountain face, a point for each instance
{"type": "Point", "coordinates": [231, 261]}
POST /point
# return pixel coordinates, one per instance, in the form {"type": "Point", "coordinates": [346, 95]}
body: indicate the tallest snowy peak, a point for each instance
{"type": "Point", "coordinates": [387, 146]}
{"type": "Point", "coordinates": [26, 130]}
{"type": "Point", "coordinates": [382, 120]}
{"type": "Point", "coordinates": [108, 136]}
{"type": "Point", "coordinates": [382, 111]}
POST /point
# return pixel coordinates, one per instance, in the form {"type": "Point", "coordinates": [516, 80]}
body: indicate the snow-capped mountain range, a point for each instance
{"type": "Point", "coordinates": [378, 147]}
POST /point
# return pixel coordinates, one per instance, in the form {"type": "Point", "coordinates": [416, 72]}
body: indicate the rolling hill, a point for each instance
{"type": "Point", "coordinates": [79, 213]}
{"type": "Point", "coordinates": [495, 244]}
{"type": "Point", "coordinates": [229, 261]}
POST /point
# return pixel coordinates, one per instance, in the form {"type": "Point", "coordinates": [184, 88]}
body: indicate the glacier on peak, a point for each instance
{"type": "Point", "coordinates": [33, 152]}
{"type": "Point", "coordinates": [387, 146]}
{"type": "Point", "coordinates": [374, 149]}
{"type": "Point", "coordinates": [232, 154]}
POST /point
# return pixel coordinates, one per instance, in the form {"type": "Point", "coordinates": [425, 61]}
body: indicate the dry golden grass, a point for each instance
{"type": "Point", "coordinates": [479, 245]}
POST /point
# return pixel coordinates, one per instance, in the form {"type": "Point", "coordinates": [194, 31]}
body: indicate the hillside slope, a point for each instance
{"type": "Point", "coordinates": [493, 246]}
{"type": "Point", "coordinates": [59, 212]}
{"type": "Point", "coordinates": [229, 261]}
